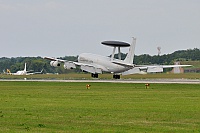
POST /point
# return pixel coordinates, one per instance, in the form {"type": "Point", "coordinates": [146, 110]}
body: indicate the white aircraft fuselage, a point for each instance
{"type": "Point", "coordinates": [103, 62]}
{"type": "Point", "coordinates": [20, 73]}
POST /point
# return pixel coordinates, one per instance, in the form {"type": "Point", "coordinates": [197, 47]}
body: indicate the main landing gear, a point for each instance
{"type": "Point", "coordinates": [116, 76]}
{"type": "Point", "coordinates": [94, 75]}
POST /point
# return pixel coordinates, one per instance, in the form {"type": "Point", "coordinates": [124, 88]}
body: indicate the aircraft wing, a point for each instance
{"type": "Point", "coordinates": [141, 69]}
{"type": "Point", "coordinates": [172, 66]}
{"type": "Point", "coordinates": [92, 68]}
{"type": "Point", "coordinates": [55, 59]}
{"type": "Point", "coordinates": [29, 71]}
{"type": "Point", "coordinates": [35, 72]}
{"type": "Point", "coordinates": [160, 66]}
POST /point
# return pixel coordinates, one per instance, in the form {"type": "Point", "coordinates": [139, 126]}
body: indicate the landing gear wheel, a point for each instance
{"type": "Point", "coordinates": [94, 75]}
{"type": "Point", "coordinates": [116, 76]}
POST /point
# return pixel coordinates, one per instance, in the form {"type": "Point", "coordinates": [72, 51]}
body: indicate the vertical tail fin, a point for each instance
{"type": "Point", "coordinates": [25, 67]}
{"type": "Point", "coordinates": [130, 55]}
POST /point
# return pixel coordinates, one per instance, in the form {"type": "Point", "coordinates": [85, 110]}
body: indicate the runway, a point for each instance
{"type": "Point", "coordinates": [164, 81]}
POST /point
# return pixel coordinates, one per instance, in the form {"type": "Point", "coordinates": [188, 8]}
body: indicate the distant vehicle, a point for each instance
{"type": "Point", "coordinates": [97, 64]}
{"type": "Point", "coordinates": [23, 72]}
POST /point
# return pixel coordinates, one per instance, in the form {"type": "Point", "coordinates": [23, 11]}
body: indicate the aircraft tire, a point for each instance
{"type": "Point", "coordinates": [116, 76]}
{"type": "Point", "coordinates": [94, 75]}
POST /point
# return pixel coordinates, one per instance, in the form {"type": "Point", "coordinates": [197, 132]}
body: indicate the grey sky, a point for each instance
{"type": "Point", "coordinates": [70, 27]}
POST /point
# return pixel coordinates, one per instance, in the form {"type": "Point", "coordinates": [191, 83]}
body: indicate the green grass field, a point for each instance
{"type": "Point", "coordinates": [105, 107]}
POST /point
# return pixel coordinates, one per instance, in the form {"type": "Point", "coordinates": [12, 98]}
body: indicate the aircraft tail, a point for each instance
{"type": "Point", "coordinates": [130, 55]}
{"type": "Point", "coordinates": [25, 67]}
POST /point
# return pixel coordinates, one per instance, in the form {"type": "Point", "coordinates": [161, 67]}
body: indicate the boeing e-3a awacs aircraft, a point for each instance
{"type": "Point", "coordinates": [23, 72]}
{"type": "Point", "coordinates": [97, 64]}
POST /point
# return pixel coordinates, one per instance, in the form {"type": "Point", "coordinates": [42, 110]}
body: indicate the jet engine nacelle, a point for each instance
{"type": "Point", "coordinates": [55, 63]}
{"type": "Point", "coordinates": [69, 65]}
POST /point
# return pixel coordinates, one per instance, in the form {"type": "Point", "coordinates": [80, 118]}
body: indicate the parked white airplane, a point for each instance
{"type": "Point", "coordinates": [96, 64]}
{"type": "Point", "coordinates": [23, 72]}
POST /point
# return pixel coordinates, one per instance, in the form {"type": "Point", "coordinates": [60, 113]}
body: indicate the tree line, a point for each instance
{"type": "Point", "coordinates": [38, 63]}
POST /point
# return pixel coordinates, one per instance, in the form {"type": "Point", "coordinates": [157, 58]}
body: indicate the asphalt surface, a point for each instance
{"type": "Point", "coordinates": [169, 81]}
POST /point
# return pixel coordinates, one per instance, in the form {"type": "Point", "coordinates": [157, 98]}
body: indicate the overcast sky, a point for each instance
{"type": "Point", "coordinates": [57, 28]}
